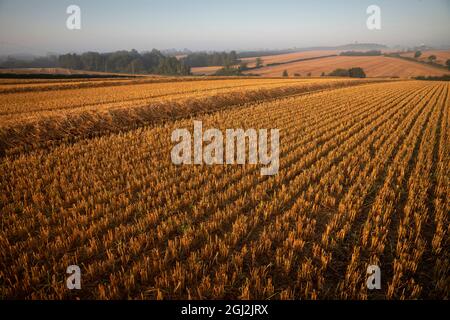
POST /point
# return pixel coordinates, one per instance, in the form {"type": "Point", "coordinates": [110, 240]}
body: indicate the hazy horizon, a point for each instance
{"type": "Point", "coordinates": [213, 25]}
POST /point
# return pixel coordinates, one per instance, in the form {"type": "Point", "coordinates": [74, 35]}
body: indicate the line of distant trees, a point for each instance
{"type": "Point", "coordinates": [50, 61]}
{"type": "Point", "coordinates": [206, 59]}
{"type": "Point", "coordinates": [361, 53]}
{"type": "Point", "coordinates": [125, 62]}
{"type": "Point", "coordinates": [430, 60]}
{"type": "Point", "coordinates": [445, 77]}
{"type": "Point", "coordinates": [153, 62]}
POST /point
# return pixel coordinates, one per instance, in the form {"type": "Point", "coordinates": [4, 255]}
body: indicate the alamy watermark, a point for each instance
{"type": "Point", "coordinates": [374, 279]}
{"type": "Point", "coordinates": [73, 21]}
{"type": "Point", "coordinates": [74, 280]}
{"type": "Point", "coordinates": [213, 147]}
{"type": "Point", "coordinates": [374, 20]}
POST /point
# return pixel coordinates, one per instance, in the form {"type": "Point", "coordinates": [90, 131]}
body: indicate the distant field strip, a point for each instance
{"type": "Point", "coordinates": [364, 179]}
{"type": "Point", "coordinates": [287, 57]}
{"type": "Point", "coordinates": [441, 55]}
{"type": "Point", "coordinates": [377, 66]}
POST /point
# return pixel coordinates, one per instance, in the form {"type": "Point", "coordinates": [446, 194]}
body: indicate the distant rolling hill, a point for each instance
{"type": "Point", "coordinates": [374, 66]}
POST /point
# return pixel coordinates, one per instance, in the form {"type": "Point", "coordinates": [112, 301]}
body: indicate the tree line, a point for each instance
{"type": "Point", "coordinates": [431, 59]}
{"type": "Point", "coordinates": [50, 61]}
{"type": "Point", "coordinates": [205, 59]}
{"type": "Point", "coordinates": [361, 53]}
{"type": "Point", "coordinates": [153, 62]}
{"type": "Point", "coordinates": [125, 62]}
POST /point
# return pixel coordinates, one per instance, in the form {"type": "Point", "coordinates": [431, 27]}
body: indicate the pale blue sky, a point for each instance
{"type": "Point", "coordinates": [39, 26]}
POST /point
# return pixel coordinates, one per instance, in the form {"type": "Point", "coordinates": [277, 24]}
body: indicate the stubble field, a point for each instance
{"type": "Point", "coordinates": [87, 179]}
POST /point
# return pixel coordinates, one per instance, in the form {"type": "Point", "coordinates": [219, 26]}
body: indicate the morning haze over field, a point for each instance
{"type": "Point", "coordinates": [224, 150]}
{"type": "Point", "coordinates": [217, 25]}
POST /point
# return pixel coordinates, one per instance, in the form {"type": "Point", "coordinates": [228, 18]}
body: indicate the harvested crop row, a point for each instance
{"type": "Point", "coordinates": [41, 102]}
{"type": "Point", "coordinates": [38, 85]}
{"type": "Point", "coordinates": [377, 227]}
{"type": "Point", "coordinates": [411, 241]}
{"type": "Point", "coordinates": [47, 128]}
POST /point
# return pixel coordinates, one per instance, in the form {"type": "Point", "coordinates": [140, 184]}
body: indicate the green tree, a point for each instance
{"type": "Point", "coordinates": [228, 71]}
{"type": "Point", "coordinates": [204, 59]}
{"type": "Point", "coordinates": [417, 54]}
{"type": "Point", "coordinates": [259, 62]}
{"type": "Point", "coordinates": [432, 58]}
{"type": "Point", "coordinates": [285, 73]}
{"type": "Point", "coordinates": [91, 61]}
{"type": "Point", "coordinates": [356, 73]}
{"type": "Point", "coordinates": [448, 64]}
{"type": "Point", "coordinates": [70, 61]}
{"type": "Point", "coordinates": [137, 66]}
{"type": "Point", "coordinates": [232, 57]}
